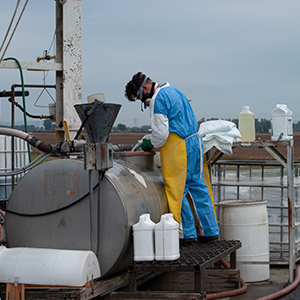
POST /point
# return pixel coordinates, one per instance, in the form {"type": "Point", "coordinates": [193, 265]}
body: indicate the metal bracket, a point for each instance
{"type": "Point", "coordinates": [98, 156]}
{"type": "Point", "coordinates": [16, 281]}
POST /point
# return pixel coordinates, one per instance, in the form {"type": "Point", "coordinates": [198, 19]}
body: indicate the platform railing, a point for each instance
{"type": "Point", "coordinates": [263, 180]}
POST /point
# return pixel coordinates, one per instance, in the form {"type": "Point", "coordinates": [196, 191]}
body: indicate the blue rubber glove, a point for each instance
{"type": "Point", "coordinates": [146, 145]}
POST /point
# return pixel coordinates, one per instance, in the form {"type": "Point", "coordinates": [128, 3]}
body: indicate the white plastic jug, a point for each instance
{"type": "Point", "coordinates": [281, 123]}
{"type": "Point", "coordinates": [246, 125]}
{"type": "Point", "coordinates": [143, 239]}
{"type": "Point", "coordinates": [167, 238]}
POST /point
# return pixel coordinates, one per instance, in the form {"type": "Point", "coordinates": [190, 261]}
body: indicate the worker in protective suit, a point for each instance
{"type": "Point", "coordinates": [175, 134]}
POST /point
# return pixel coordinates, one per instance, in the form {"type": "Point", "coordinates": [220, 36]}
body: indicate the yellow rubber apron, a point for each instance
{"type": "Point", "coordinates": [174, 167]}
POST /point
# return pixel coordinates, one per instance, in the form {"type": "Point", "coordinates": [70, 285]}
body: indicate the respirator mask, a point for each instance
{"type": "Point", "coordinates": [145, 98]}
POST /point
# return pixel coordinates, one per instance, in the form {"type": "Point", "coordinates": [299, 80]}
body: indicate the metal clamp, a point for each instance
{"type": "Point", "coordinates": [98, 156]}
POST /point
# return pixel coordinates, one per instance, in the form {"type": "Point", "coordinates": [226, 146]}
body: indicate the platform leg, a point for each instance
{"type": "Point", "coordinates": [15, 292]}
{"type": "Point", "coordinates": [132, 282]}
{"type": "Point", "coordinates": [233, 260]}
{"type": "Point", "coordinates": [197, 278]}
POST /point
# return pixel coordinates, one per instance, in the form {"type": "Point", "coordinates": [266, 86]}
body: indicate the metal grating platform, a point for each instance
{"type": "Point", "coordinates": [206, 253]}
{"type": "Point", "coordinates": [193, 257]}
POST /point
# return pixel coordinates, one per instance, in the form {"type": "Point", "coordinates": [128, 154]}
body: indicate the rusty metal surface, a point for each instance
{"type": "Point", "coordinates": [193, 257]}
{"type": "Point", "coordinates": [127, 190]}
{"type": "Point", "coordinates": [98, 124]}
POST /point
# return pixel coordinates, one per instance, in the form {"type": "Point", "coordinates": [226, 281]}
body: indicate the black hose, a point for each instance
{"type": "Point", "coordinates": [86, 118]}
{"type": "Point", "coordinates": [27, 113]}
{"type": "Point", "coordinates": [16, 94]}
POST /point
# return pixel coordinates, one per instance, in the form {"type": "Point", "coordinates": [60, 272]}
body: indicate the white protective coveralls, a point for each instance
{"type": "Point", "coordinates": [174, 132]}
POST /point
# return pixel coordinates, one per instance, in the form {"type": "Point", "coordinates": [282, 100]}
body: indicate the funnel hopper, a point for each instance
{"type": "Point", "coordinates": [99, 123]}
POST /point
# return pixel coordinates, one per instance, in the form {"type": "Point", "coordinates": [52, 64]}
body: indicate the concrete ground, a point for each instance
{"type": "Point", "coordinates": [278, 280]}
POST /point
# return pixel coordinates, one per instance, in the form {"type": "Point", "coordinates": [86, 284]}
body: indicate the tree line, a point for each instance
{"type": "Point", "coordinates": [261, 125]}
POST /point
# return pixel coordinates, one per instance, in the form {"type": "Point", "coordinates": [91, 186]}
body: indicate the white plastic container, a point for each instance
{"type": "Point", "coordinates": [246, 125]}
{"type": "Point", "coordinates": [247, 221]}
{"type": "Point", "coordinates": [53, 267]}
{"type": "Point", "coordinates": [167, 238]}
{"type": "Point", "coordinates": [143, 239]}
{"type": "Point", "coordinates": [281, 123]}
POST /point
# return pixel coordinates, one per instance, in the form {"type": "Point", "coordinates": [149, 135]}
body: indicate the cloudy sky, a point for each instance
{"type": "Point", "coordinates": [223, 54]}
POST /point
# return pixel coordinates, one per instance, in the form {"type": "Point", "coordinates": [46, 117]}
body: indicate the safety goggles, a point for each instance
{"type": "Point", "coordinates": [140, 91]}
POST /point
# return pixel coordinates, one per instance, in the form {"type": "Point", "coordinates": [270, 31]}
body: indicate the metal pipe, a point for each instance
{"type": "Point", "coordinates": [13, 140]}
{"type": "Point", "coordinates": [91, 210]}
{"type": "Point", "coordinates": [291, 209]}
{"type": "Point", "coordinates": [36, 86]}
{"type": "Point", "coordinates": [100, 173]}
{"type": "Point", "coordinates": [9, 94]}
{"type": "Point", "coordinates": [27, 113]}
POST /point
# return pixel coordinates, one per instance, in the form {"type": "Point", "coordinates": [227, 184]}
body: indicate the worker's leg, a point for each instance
{"type": "Point", "coordinates": [204, 207]}
{"type": "Point", "coordinates": [199, 191]}
{"type": "Point", "coordinates": [187, 217]}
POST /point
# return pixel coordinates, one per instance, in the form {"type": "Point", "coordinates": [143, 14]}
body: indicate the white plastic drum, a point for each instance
{"type": "Point", "coordinates": [247, 221]}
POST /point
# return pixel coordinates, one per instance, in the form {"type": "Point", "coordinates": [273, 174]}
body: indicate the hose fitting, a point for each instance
{"type": "Point", "coordinates": [33, 141]}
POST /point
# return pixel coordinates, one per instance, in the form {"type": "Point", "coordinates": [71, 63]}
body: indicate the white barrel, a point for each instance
{"type": "Point", "coordinates": [143, 239]}
{"type": "Point", "coordinates": [167, 238]}
{"type": "Point", "coordinates": [53, 267]}
{"type": "Point", "coordinates": [247, 221]}
{"type": "Point", "coordinates": [246, 125]}
{"type": "Point", "coordinates": [281, 123]}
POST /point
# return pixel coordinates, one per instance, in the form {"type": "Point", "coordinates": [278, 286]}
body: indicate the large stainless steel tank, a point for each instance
{"type": "Point", "coordinates": [53, 215]}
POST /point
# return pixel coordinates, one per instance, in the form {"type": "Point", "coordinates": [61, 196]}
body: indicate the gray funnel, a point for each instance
{"type": "Point", "coordinates": [98, 122]}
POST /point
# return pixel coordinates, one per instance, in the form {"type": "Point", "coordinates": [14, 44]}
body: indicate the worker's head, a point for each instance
{"type": "Point", "coordinates": [140, 87]}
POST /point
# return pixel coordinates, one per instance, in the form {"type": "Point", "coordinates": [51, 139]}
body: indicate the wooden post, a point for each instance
{"type": "Point", "coordinates": [15, 291]}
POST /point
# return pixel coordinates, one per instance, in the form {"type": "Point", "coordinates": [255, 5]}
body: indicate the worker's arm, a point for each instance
{"type": "Point", "coordinates": [159, 120]}
{"type": "Point", "coordinates": [160, 130]}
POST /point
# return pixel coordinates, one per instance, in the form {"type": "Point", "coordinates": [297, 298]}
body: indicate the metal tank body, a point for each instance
{"type": "Point", "coordinates": [53, 215]}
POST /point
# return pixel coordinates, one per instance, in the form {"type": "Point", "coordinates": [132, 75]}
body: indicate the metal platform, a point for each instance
{"type": "Point", "coordinates": [193, 257]}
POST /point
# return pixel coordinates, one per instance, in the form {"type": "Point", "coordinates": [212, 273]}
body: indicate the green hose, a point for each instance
{"type": "Point", "coordinates": [24, 104]}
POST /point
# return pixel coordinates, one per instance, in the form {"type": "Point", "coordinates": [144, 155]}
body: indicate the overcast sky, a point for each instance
{"type": "Point", "coordinates": [222, 54]}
